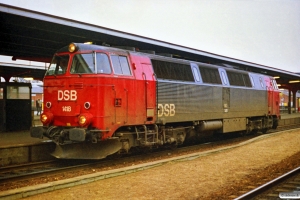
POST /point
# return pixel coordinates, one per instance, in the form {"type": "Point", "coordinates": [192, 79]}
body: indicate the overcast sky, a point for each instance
{"type": "Point", "coordinates": [265, 32]}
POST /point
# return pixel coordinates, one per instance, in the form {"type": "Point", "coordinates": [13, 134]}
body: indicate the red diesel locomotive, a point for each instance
{"type": "Point", "coordinates": [101, 100]}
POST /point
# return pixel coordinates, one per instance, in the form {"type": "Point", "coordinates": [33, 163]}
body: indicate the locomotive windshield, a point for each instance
{"type": "Point", "coordinates": [90, 64]}
{"type": "Point", "coordinates": [58, 65]}
{"type": "Point", "coordinates": [81, 64]}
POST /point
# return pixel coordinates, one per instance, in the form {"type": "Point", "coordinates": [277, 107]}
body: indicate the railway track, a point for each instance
{"type": "Point", "coordinates": [18, 172]}
{"type": "Point", "coordinates": [18, 176]}
{"type": "Point", "coordinates": [43, 172]}
{"type": "Point", "coordinates": [286, 186]}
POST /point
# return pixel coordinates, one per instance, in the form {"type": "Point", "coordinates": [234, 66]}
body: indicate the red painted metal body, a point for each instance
{"type": "Point", "coordinates": [273, 96]}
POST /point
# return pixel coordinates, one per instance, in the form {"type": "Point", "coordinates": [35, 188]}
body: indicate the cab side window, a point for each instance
{"type": "Point", "coordinates": [103, 65]}
{"type": "Point", "coordinates": [58, 65]}
{"type": "Point", "coordinates": [120, 65]}
{"type": "Point", "coordinates": [82, 64]}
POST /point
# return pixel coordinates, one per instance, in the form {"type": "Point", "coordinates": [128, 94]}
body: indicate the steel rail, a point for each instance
{"type": "Point", "coordinates": [38, 168]}
{"type": "Point", "coordinates": [253, 193]}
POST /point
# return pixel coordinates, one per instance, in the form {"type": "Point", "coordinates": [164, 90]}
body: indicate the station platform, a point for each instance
{"type": "Point", "coordinates": [19, 147]}
{"type": "Point", "coordinates": [20, 138]}
{"type": "Point", "coordinates": [288, 116]}
{"type": "Point", "coordinates": [17, 139]}
{"type": "Point", "coordinates": [287, 119]}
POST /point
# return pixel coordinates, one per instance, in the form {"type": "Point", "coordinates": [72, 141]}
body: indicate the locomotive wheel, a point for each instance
{"type": "Point", "coordinates": [275, 124]}
{"type": "Point", "coordinates": [191, 137]}
{"type": "Point", "coordinates": [264, 130]}
{"type": "Point", "coordinates": [255, 131]}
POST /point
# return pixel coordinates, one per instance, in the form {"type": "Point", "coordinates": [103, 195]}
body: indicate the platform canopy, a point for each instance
{"type": "Point", "coordinates": [35, 36]}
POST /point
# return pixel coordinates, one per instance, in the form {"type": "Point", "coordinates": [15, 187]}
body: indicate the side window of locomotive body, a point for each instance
{"type": "Point", "coordinates": [120, 65]}
{"type": "Point", "coordinates": [271, 84]}
{"type": "Point", "coordinates": [261, 83]}
{"type": "Point", "coordinates": [239, 79]}
{"type": "Point", "coordinates": [173, 71]}
{"type": "Point", "coordinates": [58, 65]}
{"type": "Point", "coordinates": [224, 78]}
{"type": "Point", "coordinates": [275, 84]}
{"type": "Point", "coordinates": [196, 73]}
{"type": "Point", "coordinates": [210, 75]}
{"type": "Point", "coordinates": [83, 64]}
{"type": "Point", "coordinates": [252, 81]}
{"type": "Point", "coordinates": [103, 66]}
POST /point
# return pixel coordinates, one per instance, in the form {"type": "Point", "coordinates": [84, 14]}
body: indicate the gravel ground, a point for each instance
{"type": "Point", "coordinates": [219, 176]}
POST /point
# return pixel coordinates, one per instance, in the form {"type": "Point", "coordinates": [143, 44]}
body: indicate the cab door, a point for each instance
{"type": "Point", "coordinates": [145, 89]}
{"type": "Point", "coordinates": [150, 85]}
{"type": "Point", "coordinates": [273, 97]}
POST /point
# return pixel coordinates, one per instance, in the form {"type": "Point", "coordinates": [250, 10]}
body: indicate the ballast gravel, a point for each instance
{"type": "Point", "coordinates": [223, 175]}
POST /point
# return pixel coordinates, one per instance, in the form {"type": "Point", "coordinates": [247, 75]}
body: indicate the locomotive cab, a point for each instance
{"type": "Point", "coordinates": [90, 92]}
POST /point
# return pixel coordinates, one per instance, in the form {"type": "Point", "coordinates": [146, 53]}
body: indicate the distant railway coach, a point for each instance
{"type": "Point", "coordinates": [103, 100]}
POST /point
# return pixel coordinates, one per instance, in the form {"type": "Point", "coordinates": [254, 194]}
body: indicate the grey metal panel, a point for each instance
{"type": "Point", "coordinates": [248, 102]}
{"type": "Point", "coordinates": [234, 124]}
{"type": "Point", "coordinates": [179, 102]}
{"type": "Point", "coordinates": [192, 102]}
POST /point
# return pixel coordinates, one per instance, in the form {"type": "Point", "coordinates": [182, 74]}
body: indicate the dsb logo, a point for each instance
{"type": "Point", "coordinates": [67, 95]}
{"type": "Point", "coordinates": [166, 110]}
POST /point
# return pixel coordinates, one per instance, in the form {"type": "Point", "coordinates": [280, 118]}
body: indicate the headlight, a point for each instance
{"type": "Point", "coordinates": [72, 47]}
{"type": "Point", "coordinates": [82, 119]}
{"type": "Point", "coordinates": [46, 118]}
{"type": "Point", "coordinates": [85, 119]}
